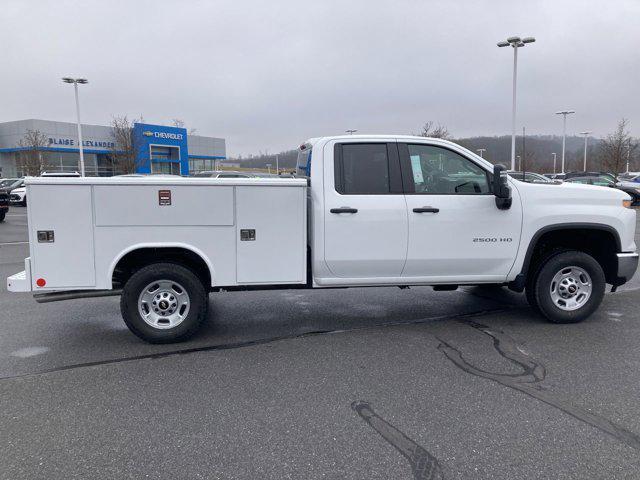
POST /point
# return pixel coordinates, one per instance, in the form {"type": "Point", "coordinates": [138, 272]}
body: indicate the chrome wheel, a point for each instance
{"type": "Point", "coordinates": [163, 304]}
{"type": "Point", "coordinates": [571, 288]}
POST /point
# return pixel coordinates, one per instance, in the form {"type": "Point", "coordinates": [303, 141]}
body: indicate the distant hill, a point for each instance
{"type": "Point", "coordinates": [538, 150]}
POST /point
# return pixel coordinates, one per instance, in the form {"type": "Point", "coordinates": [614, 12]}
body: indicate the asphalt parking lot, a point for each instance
{"type": "Point", "coordinates": [361, 383]}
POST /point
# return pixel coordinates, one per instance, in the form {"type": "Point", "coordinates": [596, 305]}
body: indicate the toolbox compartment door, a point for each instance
{"type": "Point", "coordinates": [68, 260]}
{"type": "Point", "coordinates": [271, 234]}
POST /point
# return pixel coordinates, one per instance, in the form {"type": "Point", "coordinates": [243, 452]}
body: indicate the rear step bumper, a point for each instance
{"type": "Point", "coordinates": [21, 281]}
{"type": "Point", "coordinates": [73, 294]}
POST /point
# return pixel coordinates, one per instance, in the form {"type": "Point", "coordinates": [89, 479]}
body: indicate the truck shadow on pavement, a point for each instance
{"type": "Point", "coordinates": [423, 465]}
{"type": "Point", "coordinates": [529, 381]}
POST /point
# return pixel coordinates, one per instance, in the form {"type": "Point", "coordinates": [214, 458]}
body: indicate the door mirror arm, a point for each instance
{"type": "Point", "coordinates": [501, 189]}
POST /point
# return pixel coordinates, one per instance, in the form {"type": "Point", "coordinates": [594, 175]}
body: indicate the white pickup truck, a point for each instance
{"type": "Point", "coordinates": [365, 211]}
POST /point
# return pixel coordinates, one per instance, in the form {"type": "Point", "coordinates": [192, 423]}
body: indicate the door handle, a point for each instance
{"type": "Point", "coordinates": [426, 210]}
{"type": "Point", "coordinates": [344, 210]}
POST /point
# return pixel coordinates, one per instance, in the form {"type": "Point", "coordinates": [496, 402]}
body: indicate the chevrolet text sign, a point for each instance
{"type": "Point", "coordinates": [167, 135]}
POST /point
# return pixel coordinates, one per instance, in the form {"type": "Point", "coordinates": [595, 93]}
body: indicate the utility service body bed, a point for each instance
{"type": "Point", "coordinates": [248, 231]}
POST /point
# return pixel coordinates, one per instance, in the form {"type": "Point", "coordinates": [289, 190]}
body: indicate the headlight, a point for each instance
{"type": "Point", "coordinates": [626, 203]}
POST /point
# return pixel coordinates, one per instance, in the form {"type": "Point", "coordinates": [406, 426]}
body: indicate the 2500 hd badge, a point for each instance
{"type": "Point", "coordinates": [492, 239]}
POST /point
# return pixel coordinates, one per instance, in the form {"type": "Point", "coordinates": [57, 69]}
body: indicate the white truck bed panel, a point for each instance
{"type": "Point", "coordinates": [67, 211]}
{"type": "Point", "coordinates": [96, 221]}
{"type": "Point", "coordinates": [190, 205]}
{"type": "Point", "coordinates": [278, 253]}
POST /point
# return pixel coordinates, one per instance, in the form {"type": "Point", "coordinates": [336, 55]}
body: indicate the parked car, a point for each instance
{"type": "Point", "coordinates": [9, 184]}
{"type": "Point", "coordinates": [375, 210]}
{"type": "Point", "coordinates": [555, 176]}
{"type": "Point", "coordinates": [529, 177]}
{"type": "Point", "coordinates": [629, 177]}
{"type": "Point", "coordinates": [18, 196]}
{"type": "Point", "coordinates": [224, 174]}
{"type": "Point", "coordinates": [606, 175]}
{"type": "Point", "coordinates": [630, 188]}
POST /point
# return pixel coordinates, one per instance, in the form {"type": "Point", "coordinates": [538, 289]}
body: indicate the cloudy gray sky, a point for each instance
{"type": "Point", "coordinates": [267, 75]}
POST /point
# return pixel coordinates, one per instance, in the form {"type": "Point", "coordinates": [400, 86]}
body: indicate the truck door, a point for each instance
{"type": "Point", "coordinates": [365, 217]}
{"type": "Point", "coordinates": [456, 232]}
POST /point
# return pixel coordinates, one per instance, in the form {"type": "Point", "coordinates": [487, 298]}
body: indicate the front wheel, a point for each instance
{"type": "Point", "coordinates": [569, 287]}
{"type": "Point", "coordinates": [2, 215]}
{"type": "Point", "coordinates": [164, 303]}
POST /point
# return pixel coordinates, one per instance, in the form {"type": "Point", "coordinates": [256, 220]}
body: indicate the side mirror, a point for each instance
{"type": "Point", "coordinates": [501, 189]}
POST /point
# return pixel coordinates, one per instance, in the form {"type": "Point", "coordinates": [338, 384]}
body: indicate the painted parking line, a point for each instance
{"type": "Point", "coordinates": [16, 215]}
{"type": "Point", "coordinates": [14, 243]}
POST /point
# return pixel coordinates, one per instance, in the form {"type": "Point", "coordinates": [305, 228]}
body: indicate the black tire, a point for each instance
{"type": "Point", "coordinates": [530, 286]}
{"type": "Point", "coordinates": [2, 215]}
{"type": "Point", "coordinates": [530, 292]}
{"type": "Point", "coordinates": [24, 202]}
{"type": "Point", "coordinates": [543, 281]}
{"type": "Point", "coordinates": [189, 281]}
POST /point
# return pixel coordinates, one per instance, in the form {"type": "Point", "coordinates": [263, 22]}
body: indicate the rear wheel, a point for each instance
{"type": "Point", "coordinates": [2, 215]}
{"type": "Point", "coordinates": [568, 287]}
{"type": "Point", "coordinates": [164, 303]}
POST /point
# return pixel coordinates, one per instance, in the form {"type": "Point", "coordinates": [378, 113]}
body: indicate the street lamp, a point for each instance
{"type": "Point", "coordinates": [75, 82]}
{"type": "Point", "coordinates": [554, 161]}
{"type": "Point", "coordinates": [351, 132]}
{"type": "Point", "coordinates": [564, 114]}
{"type": "Point", "coordinates": [481, 150]}
{"type": "Point", "coordinates": [586, 136]}
{"type": "Point", "coordinates": [515, 42]}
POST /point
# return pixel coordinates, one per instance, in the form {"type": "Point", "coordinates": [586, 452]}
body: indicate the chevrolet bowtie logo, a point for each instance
{"type": "Point", "coordinates": [148, 133]}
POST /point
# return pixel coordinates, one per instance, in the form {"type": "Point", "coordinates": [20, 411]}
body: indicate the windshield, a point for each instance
{"type": "Point", "coordinates": [8, 182]}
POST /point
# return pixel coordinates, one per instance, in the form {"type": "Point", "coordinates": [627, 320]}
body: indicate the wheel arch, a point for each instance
{"type": "Point", "coordinates": [138, 255]}
{"type": "Point", "coordinates": [599, 240]}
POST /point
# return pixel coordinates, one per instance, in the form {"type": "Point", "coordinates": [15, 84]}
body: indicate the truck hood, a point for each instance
{"type": "Point", "coordinates": [571, 192]}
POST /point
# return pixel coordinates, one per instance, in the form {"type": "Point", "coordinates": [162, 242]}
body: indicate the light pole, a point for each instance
{"type": "Point", "coordinates": [277, 165]}
{"type": "Point", "coordinates": [519, 164]}
{"type": "Point", "coordinates": [481, 150]}
{"type": "Point", "coordinates": [351, 132]}
{"type": "Point", "coordinates": [586, 136]}
{"type": "Point", "coordinates": [564, 114]}
{"type": "Point", "coordinates": [75, 82]}
{"type": "Point", "coordinates": [269, 168]}
{"type": "Point", "coordinates": [554, 162]}
{"type": "Point", "coordinates": [515, 42]}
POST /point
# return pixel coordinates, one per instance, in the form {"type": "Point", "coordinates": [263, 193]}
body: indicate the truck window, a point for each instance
{"type": "Point", "coordinates": [440, 171]}
{"type": "Point", "coordinates": [303, 162]}
{"type": "Point", "coordinates": [362, 169]}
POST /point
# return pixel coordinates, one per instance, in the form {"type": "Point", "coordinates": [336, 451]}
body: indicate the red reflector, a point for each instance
{"type": "Point", "coordinates": [41, 282]}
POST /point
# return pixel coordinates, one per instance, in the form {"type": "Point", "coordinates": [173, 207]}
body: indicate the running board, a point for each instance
{"type": "Point", "coordinates": [74, 294]}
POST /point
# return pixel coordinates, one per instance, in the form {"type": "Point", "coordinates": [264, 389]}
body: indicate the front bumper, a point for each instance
{"type": "Point", "coordinates": [16, 198]}
{"type": "Point", "coordinates": [627, 264]}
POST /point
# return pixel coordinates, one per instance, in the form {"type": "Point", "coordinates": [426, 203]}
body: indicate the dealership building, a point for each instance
{"type": "Point", "coordinates": [158, 148]}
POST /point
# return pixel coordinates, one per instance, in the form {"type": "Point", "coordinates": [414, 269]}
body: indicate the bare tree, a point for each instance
{"type": "Point", "coordinates": [123, 153]}
{"type": "Point", "coordinates": [176, 122]}
{"type": "Point", "coordinates": [438, 131]}
{"type": "Point", "coordinates": [30, 158]}
{"type": "Point", "coordinates": [616, 147]}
